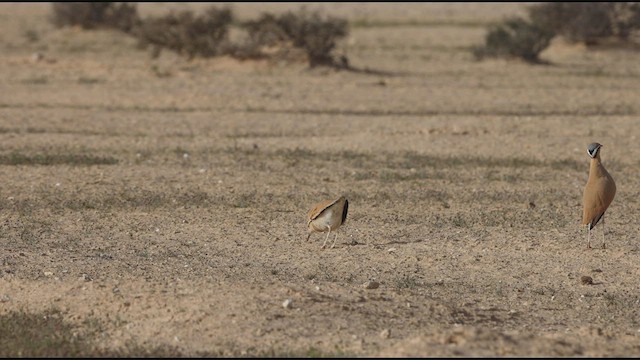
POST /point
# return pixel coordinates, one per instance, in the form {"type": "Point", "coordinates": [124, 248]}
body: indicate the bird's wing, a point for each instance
{"type": "Point", "coordinates": [319, 208]}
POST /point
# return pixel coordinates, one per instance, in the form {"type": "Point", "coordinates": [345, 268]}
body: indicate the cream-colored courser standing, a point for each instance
{"type": "Point", "coordinates": [598, 193]}
{"type": "Point", "coordinates": [327, 216]}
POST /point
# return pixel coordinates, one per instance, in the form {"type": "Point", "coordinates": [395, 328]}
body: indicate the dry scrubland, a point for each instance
{"type": "Point", "coordinates": [157, 205]}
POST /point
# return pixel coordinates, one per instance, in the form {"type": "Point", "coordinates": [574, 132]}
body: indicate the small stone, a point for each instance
{"type": "Point", "coordinates": [36, 56]}
{"type": "Point", "coordinates": [586, 280]}
{"type": "Point", "coordinates": [5, 298]}
{"type": "Point", "coordinates": [86, 277]}
{"type": "Point", "coordinates": [287, 304]}
{"type": "Point", "coordinates": [371, 284]}
{"type": "Point", "coordinates": [48, 273]}
{"type": "Point", "coordinates": [385, 334]}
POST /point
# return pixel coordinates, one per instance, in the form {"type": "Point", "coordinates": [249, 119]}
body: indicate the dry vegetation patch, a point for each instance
{"type": "Point", "coordinates": [207, 34]}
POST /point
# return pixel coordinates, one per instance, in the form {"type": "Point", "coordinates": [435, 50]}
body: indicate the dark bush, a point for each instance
{"type": "Point", "coordinates": [515, 37]}
{"type": "Point", "coordinates": [587, 21]}
{"type": "Point", "coordinates": [316, 34]}
{"type": "Point", "coordinates": [266, 31]}
{"type": "Point", "coordinates": [94, 15]}
{"type": "Point", "coordinates": [205, 35]}
{"type": "Point", "coordinates": [311, 31]}
{"type": "Point", "coordinates": [262, 33]}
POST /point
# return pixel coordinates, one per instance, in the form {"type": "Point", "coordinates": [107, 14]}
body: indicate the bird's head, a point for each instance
{"type": "Point", "coordinates": [593, 149]}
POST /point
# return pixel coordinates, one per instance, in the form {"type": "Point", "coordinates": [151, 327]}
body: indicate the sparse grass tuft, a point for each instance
{"type": "Point", "coordinates": [47, 335]}
{"type": "Point", "coordinates": [40, 335]}
{"type": "Point", "coordinates": [495, 175]}
{"type": "Point", "coordinates": [16, 158]}
{"type": "Point", "coordinates": [565, 164]}
{"type": "Point", "coordinates": [36, 80]}
{"type": "Point", "coordinates": [31, 35]}
{"type": "Point", "coordinates": [34, 230]}
{"type": "Point", "coordinates": [459, 221]}
{"type": "Point", "coordinates": [406, 282]}
{"type": "Point", "coordinates": [244, 200]}
{"type": "Point", "coordinates": [392, 176]}
{"type": "Point", "coordinates": [89, 80]}
{"type": "Point", "coordinates": [412, 159]}
{"type": "Point", "coordinates": [509, 217]}
{"type": "Point", "coordinates": [311, 352]}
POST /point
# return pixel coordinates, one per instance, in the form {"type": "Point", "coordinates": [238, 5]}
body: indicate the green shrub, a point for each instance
{"type": "Point", "coordinates": [515, 37]}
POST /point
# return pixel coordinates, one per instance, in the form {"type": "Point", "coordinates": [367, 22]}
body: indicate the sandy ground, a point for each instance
{"type": "Point", "coordinates": [464, 180]}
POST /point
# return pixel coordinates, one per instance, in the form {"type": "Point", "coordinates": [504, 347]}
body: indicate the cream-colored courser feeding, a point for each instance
{"type": "Point", "coordinates": [327, 216]}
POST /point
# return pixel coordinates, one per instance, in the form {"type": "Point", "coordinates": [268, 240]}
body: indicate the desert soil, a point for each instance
{"type": "Point", "coordinates": [187, 228]}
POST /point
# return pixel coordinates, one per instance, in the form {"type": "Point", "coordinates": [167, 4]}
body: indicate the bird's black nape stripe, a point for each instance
{"type": "Point", "coordinates": [593, 222]}
{"type": "Point", "coordinates": [344, 211]}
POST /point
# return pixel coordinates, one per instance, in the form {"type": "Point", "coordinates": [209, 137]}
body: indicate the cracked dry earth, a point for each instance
{"type": "Point", "coordinates": [166, 198]}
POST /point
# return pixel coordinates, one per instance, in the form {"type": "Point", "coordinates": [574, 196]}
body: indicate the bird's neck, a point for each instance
{"type": "Point", "coordinates": [596, 167]}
